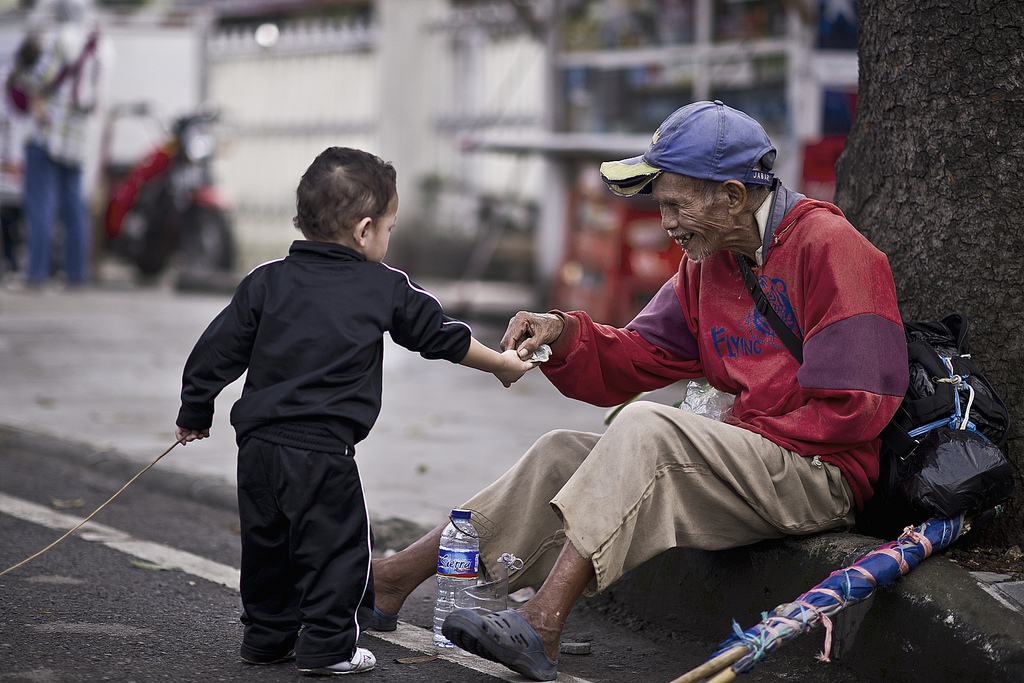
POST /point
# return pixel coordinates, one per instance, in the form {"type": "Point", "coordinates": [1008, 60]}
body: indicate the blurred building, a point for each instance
{"type": "Point", "coordinates": [617, 68]}
{"type": "Point", "coordinates": [495, 112]}
{"type": "Point", "coordinates": [414, 81]}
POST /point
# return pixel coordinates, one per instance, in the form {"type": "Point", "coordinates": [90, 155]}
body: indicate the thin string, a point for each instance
{"type": "Point", "coordinates": [82, 523]}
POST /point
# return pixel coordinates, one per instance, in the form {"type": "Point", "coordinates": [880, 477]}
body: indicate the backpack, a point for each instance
{"type": "Point", "coordinates": [938, 354]}
{"type": "Point", "coordinates": [85, 63]}
{"type": "Point", "coordinates": [24, 59]}
{"type": "Point", "coordinates": [17, 96]}
{"type": "Point", "coordinates": [948, 401]}
{"type": "Point", "coordinates": [941, 452]}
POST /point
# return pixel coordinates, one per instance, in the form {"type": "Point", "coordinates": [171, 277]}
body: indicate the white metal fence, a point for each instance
{"type": "Point", "coordinates": [282, 105]}
{"type": "Point", "coordinates": [322, 83]}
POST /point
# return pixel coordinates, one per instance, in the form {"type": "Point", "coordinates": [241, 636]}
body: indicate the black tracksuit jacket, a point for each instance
{"type": "Point", "coordinates": [309, 329]}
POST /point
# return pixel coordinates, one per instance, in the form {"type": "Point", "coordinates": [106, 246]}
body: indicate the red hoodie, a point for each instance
{"type": "Point", "coordinates": [829, 285]}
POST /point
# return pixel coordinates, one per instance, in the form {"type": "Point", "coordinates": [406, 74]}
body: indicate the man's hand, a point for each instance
{"type": "Point", "coordinates": [527, 331]}
{"type": "Point", "coordinates": [186, 435]}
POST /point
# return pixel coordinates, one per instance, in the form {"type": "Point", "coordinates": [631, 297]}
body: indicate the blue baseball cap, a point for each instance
{"type": "Point", "coordinates": [707, 140]}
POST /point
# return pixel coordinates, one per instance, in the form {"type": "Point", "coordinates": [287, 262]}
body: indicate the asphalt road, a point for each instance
{"type": "Point", "coordinates": [85, 611]}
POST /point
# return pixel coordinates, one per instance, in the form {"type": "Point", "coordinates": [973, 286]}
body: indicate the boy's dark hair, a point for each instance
{"type": "Point", "coordinates": [341, 187]}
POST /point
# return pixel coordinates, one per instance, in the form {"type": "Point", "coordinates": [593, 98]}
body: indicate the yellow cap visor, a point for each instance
{"type": "Point", "coordinates": [629, 176]}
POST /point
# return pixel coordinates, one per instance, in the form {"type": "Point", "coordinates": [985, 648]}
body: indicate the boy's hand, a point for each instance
{"type": "Point", "coordinates": [185, 435]}
{"type": "Point", "coordinates": [512, 368]}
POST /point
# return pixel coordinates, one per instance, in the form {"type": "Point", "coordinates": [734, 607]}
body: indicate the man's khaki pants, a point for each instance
{"type": "Point", "coordinates": [658, 478]}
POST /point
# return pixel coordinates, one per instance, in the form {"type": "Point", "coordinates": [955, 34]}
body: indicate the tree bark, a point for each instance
{"type": "Point", "coordinates": [933, 174]}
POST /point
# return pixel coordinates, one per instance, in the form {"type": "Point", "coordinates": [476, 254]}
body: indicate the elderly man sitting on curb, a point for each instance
{"type": "Point", "coordinates": [797, 456]}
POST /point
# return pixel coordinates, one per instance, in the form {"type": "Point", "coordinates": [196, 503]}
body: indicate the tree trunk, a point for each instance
{"type": "Point", "coordinates": [933, 175]}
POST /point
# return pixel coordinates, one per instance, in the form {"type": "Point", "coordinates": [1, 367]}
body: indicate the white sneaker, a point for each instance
{"type": "Point", "coordinates": [362, 660]}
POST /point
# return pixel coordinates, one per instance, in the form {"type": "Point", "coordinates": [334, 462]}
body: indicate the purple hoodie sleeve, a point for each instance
{"type": "Point", "coordinates": [864, 352]}
{"type": "Point", "coordinates": [663, 323]}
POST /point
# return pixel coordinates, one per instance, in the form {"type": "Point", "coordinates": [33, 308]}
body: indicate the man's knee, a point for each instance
{"type": "Point", "coordinates": [560, 449]}
{"type": "Point", "coordinates": [557, 439]}
{"type": "Point", "coordinates": [643, 417]}
{"type": "Point", "coordinates": [653, 431]}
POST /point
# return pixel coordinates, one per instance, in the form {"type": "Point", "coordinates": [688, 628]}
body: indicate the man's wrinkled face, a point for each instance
{"type": "Point", "coordinates": [696, 222]}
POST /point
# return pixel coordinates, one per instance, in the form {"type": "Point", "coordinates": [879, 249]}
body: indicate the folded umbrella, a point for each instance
{"type": "Point", "coordinates": [744, 649]}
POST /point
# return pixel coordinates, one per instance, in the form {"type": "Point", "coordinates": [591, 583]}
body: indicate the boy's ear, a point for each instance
{"type": "Point", "coordinates": [362, 231]}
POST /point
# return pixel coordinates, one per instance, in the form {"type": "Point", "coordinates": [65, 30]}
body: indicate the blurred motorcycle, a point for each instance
{"type": "Point", "coordinates": [167, 204]}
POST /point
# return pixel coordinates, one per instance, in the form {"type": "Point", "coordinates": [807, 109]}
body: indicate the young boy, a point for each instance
{"type": "Point", "coordinates": [309, 330]}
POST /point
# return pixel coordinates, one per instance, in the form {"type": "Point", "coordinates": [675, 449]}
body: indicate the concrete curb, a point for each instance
{"type": "Point", "coordinates": [934, 625]}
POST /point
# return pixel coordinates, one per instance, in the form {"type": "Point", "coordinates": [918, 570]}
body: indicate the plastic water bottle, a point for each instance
{"type": "Point", "coordinates": [458, 558]}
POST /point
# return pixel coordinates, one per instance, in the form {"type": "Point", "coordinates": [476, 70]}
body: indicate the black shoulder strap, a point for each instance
{"type": "Point", "coordinates": [72, 69]}
{"type": "Point", "coordinates": [895, 437]}
{"type": "Point", "coordinates": [764, 307]}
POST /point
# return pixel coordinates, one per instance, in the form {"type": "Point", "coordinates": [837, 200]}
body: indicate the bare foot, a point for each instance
{"type": "Point", "coordinates": [396, 576]}
{"type": "Point", "coordinates": [549, 629]}
{"type": "Point", "coordinates": [547, 611]}
{"type": "Point", "coordinates": [387, 595]}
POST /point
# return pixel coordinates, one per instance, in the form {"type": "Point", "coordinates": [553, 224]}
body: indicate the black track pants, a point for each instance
{"type": "Point", "coordinates": [305, 553]}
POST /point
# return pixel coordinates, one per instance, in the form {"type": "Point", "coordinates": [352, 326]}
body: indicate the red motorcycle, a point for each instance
{"type": "Point", "coordinates": [167, 205]}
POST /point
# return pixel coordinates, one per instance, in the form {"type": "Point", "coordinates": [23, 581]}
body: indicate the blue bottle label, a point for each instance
{"type": "Point", "coordinates": [458, 564]}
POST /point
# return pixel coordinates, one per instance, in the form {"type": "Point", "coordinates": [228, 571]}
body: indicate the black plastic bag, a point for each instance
{"type": "Point", "coordinates": [957, 470]}
{"type": "Point", "coordinates": [938, 397]}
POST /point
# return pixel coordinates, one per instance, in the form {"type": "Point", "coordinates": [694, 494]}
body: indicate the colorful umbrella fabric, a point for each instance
{"type": "Point", "coordinates": [744, 649]}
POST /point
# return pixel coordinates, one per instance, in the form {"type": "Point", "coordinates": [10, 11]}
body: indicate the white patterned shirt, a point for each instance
{"type": "Point", "coordinates": [61, 117]}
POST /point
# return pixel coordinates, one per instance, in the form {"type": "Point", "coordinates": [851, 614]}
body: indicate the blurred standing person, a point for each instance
{"type": "Point", "coordinates": [13, 131]}
{"type": "Point", "coordinates": [62, 90]}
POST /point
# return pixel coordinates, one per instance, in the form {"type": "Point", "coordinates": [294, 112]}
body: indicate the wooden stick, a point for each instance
{"type": "Point", "coordinates": [723, 676]}
{"type": "Point", "coordinates": [715, 665]}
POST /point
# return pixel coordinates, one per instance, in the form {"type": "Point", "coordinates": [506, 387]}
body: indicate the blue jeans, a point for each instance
{"type": "Point", "coordinates": [53, 189]}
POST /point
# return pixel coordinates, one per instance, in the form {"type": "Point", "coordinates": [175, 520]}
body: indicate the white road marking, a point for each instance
{"type": "Point", "coordinates": [407, 635]}
{"type": "Point", "coordinates": [118, 540]}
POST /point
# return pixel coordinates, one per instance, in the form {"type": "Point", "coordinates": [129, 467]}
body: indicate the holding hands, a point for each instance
{"type": "Point", "coordinates": [512, 368]}
{"type": "Point", "coordinates": [524, 337]}
{"type": "Point", "coordinates": [526, 332]}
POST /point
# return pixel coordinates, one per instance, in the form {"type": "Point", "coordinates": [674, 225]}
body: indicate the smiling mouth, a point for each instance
{"type": "Point", "coordinates": [681, 238]}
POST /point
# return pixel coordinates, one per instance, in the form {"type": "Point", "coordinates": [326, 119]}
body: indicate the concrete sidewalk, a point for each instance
{"type": "Point", "coordinates": [94, 375]}
{"type": "Point", "coordinates": [102, 367]}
